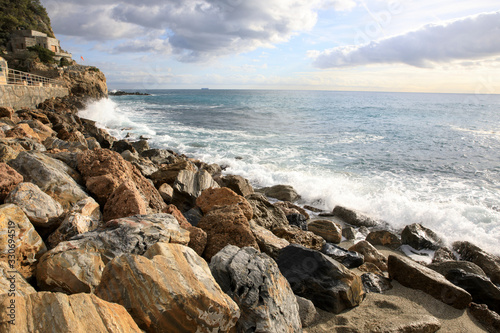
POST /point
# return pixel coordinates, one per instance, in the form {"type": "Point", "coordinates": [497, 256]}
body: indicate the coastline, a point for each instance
{"type": "Point", "coordinates": [129, 171]}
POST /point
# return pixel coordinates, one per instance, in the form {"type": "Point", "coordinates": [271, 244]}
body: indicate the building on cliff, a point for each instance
{"type": "Point", "coordinates": [20, 40]}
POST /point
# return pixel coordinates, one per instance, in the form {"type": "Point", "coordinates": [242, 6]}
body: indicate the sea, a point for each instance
{"type": "Point", "coordinates": [403, 158]}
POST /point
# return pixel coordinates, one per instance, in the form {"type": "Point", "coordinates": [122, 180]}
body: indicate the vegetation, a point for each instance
{"type": "Point", "coordinates": [46, 56]}
{"type": "Point", "coordinates": [93, 69]}
{"type": "Point", "coordinates": [64, 62]}
{"type": "Point", "coordinates": [27, 14]}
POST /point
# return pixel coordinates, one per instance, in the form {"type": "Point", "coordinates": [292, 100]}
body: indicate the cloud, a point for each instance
{"type": "Point", "coordinates": [193, 30]}
{"type": "Point", "coordinates": [470, 38]}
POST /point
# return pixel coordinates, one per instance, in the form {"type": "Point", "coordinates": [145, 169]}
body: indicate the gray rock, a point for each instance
{"type": "Point", "coordinates": [374, 283]}
{"type": "Point", "coordinates": [445, 266]}
{"type": "Point", "coordinates": [349, 259]}
{"type": "Point", "coordinates": [158, 156]}
{"type": "Point", "coordinates": [280, 192]}
{"type": "Point", "coordinates": [193, 216]}
{"type": "Point", "coordinates": [307, 311]}
{"type": "Point", "coordinates": [92, 143]}
{"type": "Point", "coordinates": [238, 184]}
{"type": "Point", "coordinates": [266, 214]}
{"type": "Point", "coordinates": [130, 156]}
{"type": "Point", "coordinates": [353, 217]}
{"type": "Point", "coordinates": [443, 254]}
{"type": "Point", "coordinates": [297, 220]}
{"type": "Point", "coordinates": [254, 282]}
{"type": "Point", "coordinates": [489, 319]}
{"type": "Point", "coordinates": [490, 264]}
{"type": "Point", "coordinates": [56, 143]}
{"type": "Point", "coordinates": [166, 192]}
{"type": "Point", "coordinates": [349, 233]}
{"type": "Point", "coordinates": [40, 208]}
{"type": "Point", "coordinates": [188, 186]}
{"type": "Point", "coordinates": [268, 242]}
{"type": "Point", "coordinates": [319, 278]}
{"type": "Point", "coordinates": [420, 237]}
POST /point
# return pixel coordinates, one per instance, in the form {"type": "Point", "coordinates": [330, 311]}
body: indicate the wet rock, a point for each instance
{"type": "Point", "coordinates": [238, 184]}
{"type": "Point", "coordinates": [298, 236]}
{"type": "Point", "coordinates": [254, 282]}
{"type": "Point", "coordinates": [12, 281]}
{"type": "Point", "coordinates": [319, 278]}
{"type": "Point", "coordinates": [268, 242]}
{"type": "Point", "coordinates": [189, 185]}
{"type": "Point", "coordinates": [59, 313]}
{"type": "Point", "coordinates": [9, 178]}
{"type": "Point", "coordinates": [482, 290]}
{"type": "Point", "coordinates": [349, 259]}
{"type": "Point", "coordinates": [329, 230]}
{"type": "Point", "coordinates": [266, 214]}
{"type": "Point", "coordinates": [281, 192]}
{"type": "Point", "coordinates": [467, 266]}
{"type": "Point", "coordinates": [40, 208]}
{"type": "Point", "coordinates": [169, 173]}
{"type": "Point", "coordinates": [307, 311]}
{"type": "Point", "coordinates": [224, 226]}
{"type": "Point", "coordinates": [183, 288]}
{"type": "Point", "coordinates": [353, 217]}
{"type": "Point", "coordinates": [489, 319]}
{"type": "Point", "coordinates": [375, 283]}
{"type": "Point", "coordinates": [166, 192]}
{"type": "Point", "coordinates": [349, 233]}
{"type": "Point", "coordinates": [443, 254]}
{"type": "Point", "coordinates": [384, 238]}
{"type": "Point", "coordinates": [289, 208]}
{"type": "Point", "coordinates": [370, 254]}
{"type": "Point", "coordinates": [101, 135]}
{"type": "Point", "coordinates": [415, 276]}
{"type": "Point", "coordinates": [84, 216]}
{"type": "Point", "coordinates": [51, 176]}
{"type": "Point", "coordinates": [420, 237]}
{"type": "Point", "coordinates": [23, 243]}
{"type": "Point", "coordinates": [297, 220]}
{"type": "Point", "coordinates": [490, 264]}
{"type": "Point", "coordinates": [218, 197]}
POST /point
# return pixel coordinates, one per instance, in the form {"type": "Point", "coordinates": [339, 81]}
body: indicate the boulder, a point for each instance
{"type": "Point", "coordinates": [490, 264]}
{"type": "Point", "coordinates": [348, 233]}
{"type": "Point", "coordinates": [266, 214]}
{"type": "Point", "coordinates": [72, 146]}
{"type": "Point", "coordinates": [169, 173]}
{"type": "Point", "coordinates": [420, 237]}
{"type": "Point", "coordinates": [298, 236]}
{"type": "Point", "coordinates": [9, 178]}
{"type": "Point", "coordinates": [281, 192]}
{"type": "Point", "coordinates": [166, 192]}
{"type": "Point", "coordinates": [59, 313]}
{"type": "Point", "coordinates": [11, 281]}
{"type": "Point", "coordinates": [489, 319]}
{"type": "Point", "coordinates": [443, 254]}
{"type": "Point", "coordinates": [193, 215]}
{"type": "Point", "coordinates": [307, 311]}
{"type": "Point", "coordinates": [370, 254]}
{"type": "Point", "coordinates": [413, 275]}
{"type": "Point", "coordinates": [349, 259]}
{"type": "Point", "coordinates": [141, 145]}
{"type": "Point", "coordinates": [445, 266]}
{"type": "Point", "coordinates": [297, 220]}
{"type": "Point", "coordinates": [268, 242]}
{"type": "Point", "coordinates": [238, 184]}
{"type": "Point", "coordinates": [51, 176]}
{"type": "Point", "coordinates": [20, 244]}
{"type": "Point", "coordinates": [375, 283]}
{"type": "Point", "coordinates": [189, 185]}
{"type": "Point", "coordinates": [23, 130]}
{"type": "Point", "coordinates": [126, 200]}
{"type": "Point", "coordinates": [254, 282]}
{"type": "Point", "coordinates": [101, 135]}
{"type": "Point", "coordinates": [384, 238]}
{"type": "Point", "coordinates": [170, 290]}
{"type": "Point", "coordinates": [8, 153]}
{"type": "Point", "coordinates": [218, 197]}
{"type": "Point", "coordinates": [121, 145]}
{"type": "Point", "coordinates": [319, 278]}
{"type": "Point", "coordinates": [84, 216]}
{"type": "Point", "coordinates": [353, 217]}
{"type": "Point", "coordinates": [40, 208]}
{"type": "Point", "coordinates": [162, 156]}
{"type": "Point", "coordinates": [7, 112]}
{"type": "Point", "coordinates": [329, 230]}
{"type": "Point", "coordinates": [289, 208]}
{"type": "Point", "coordinates": [482, 290]}
{"type": "Point", "coordinates": [224, 226]}
{"type": "Point", "coordinates": [368, 267]}
{"type": "Point", "coordinates": [43, 131]}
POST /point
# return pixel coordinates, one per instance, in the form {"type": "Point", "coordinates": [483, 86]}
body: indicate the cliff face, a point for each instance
{"type": "Point", "coordinates": [85, 81]}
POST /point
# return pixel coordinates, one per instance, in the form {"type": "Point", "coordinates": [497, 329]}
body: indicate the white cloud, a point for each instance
{"type": "Point", "coordinates": [474, 37]}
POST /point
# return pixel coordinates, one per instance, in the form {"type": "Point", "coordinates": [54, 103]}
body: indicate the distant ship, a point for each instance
{"type": "Point", "coordinates": [204, 88]}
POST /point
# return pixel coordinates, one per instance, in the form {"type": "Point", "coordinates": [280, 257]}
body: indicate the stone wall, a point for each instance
{"type": "Point", "coordinates": [18, 97]}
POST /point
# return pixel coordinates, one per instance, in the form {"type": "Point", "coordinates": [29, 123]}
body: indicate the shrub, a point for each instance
{"type": "Point", "coordinates": [46, 56]}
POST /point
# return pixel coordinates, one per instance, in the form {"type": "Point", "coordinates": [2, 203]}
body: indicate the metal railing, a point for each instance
{"type": "Point", "coordinates": [19, 78]}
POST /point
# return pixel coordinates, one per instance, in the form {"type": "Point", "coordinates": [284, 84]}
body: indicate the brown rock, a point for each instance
{"type": "Point", "coordinates": [490, 264]}
{"type": "Point", "coordinates": [226, 225]}
{"type": "Point", "coordinates": [59, 313]}
{"type": "Point", "coordinates": [126, 200]}
{"type": "Point", "coordinates": [238, 184]}
{"type": "Point", "coordinates": [443, 254]}
{"type": "Point", "coordinates": [329, 230]}
{"type": "Point", "coordinates": [281, 192]}
{"type": "Point", "coordinates": [23, 243]}
{"type": "Point", "coordinates": [353, 217]}
{"type": "Point", "coordinates": [6, 112]}
{"type": "Point", "coordinates": [23, 131]}
{"type": "Point", "coordinates": [43, 131]}
{"type": "Point", "coordinates": [415, 276]}
{"type": "Point", "coordinates": [9, 178]}
{"type": "Point", "coordinates": [266, 214]}
{"type": "Point", "coordinates": [166, 192]}
{"type": "Point", "coordinates": [489, 319]}
{"type": "Point", "coordinates": [298, 236]}
{"type": "Point", "coordinates": [172, 291]}
{"type": "Point", "coordinates": [10, 280]}
{"type": "Point", "coordinates": [384, 238]}
{"type": "Point", "coordinates": [197, 237]}
{"type": "Point", "coordinates": [371, 254]}
{"type": "Point", "coordinates": [369, 267]}
{"type": "Point", "coordinates": [268, 242]}
{"type": "Point", "coordinates": [467, 266]}
{"type": "Point", "coordinates": [168, 173]}
{"type": "Point", "coordinates": [8, 153]}
{"type": "Point", "coordinates": [289, 208]}
{"type": "Point", "coordinates": [219, 197]}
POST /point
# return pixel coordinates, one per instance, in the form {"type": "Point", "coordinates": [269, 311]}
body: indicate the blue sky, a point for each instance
{"type": "Point", "coordinates": [374, 45]}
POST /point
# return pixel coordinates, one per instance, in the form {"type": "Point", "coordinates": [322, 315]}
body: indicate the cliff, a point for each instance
{"type": "Point", "coordinates": [85, 81]}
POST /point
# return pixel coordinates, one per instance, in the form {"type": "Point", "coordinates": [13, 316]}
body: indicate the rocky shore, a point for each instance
{"type": "Point", "coordinates": [106, 235]}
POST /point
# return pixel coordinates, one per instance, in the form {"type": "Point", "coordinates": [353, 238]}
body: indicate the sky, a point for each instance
{"type": "Point", "coordinates": [447, 46]}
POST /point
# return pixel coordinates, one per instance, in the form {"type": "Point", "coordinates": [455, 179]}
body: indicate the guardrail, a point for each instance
{"type": "Point", "coordinates": [19, 78]}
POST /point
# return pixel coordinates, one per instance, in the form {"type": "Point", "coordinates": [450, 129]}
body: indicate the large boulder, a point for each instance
{"type": "Point", "coordinates": [238, 184]}
{"type": "Point", "coordinates": [295, 235]}
{"type": "Point", "coordinates": [266, 214]}
{"type": "Point", "coordinates": [489, 263]}
{"type": "Point", "coordinates": [86, 81]}
{"type": "Point", "coordinates": [413, 275]}
{"type": "Point", "coordinates": [353, 217]}
{"type": "Point", "coordinates": [12, 282]}
{"type": "Point", "coordinates": [268, 242]}
{"type": "Point", "coordinates": [60, 313]}
{"type": "Point", "coordinates": [371, 254]}
{"type": "Point", "coordinates": [224, 226]}
{"type": "Point", "coordinates": [170, 290]}
{"type": "Point", "coordinates": [254, 282]}
{"type": "Point", "coordinates": [280, 192]}
{"type": "Point", "coordinates": [446, 266]}
{"type": "Point", "coordinates": [189, 185]}
{"type": "Point", "coordinates": [349, 259]}
{"type": "Point", "coordinates": [315, 276]}
{"type": "Point", "coordinates": [329, 230]}
{"type": "Point", "coordinates": [51, 176]}
{"type": "Point", "coordinates": [217, 197]}
{"type": "Point", "coordinates": [20, 244]}
{"type": "Point", "coordinates": [9, 179]}
{"type": "Point", "coordinates": [39, 207]}
{"type": "Point", "coordinates": [420, 237]}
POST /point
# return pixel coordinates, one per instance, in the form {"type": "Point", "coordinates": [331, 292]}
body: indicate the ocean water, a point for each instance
{"type": "Point", "coordinates": [404, 158]}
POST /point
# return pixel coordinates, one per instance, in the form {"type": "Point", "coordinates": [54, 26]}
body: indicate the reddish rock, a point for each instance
{"type": "Point", "coordinates": [298, 236]}
{"type": "Point", "coordinates": [23, 131]}
{"type": "Point", "coordinates": [9, 178]}
{"type": "Point", "coordinates": [219, 197]}
{"type": "Point", "coordinates": [125, 201]}
{"type": "Point", "coordinates": [371, 254]}
{"type": "Point", "coordinates": [226, 225]}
